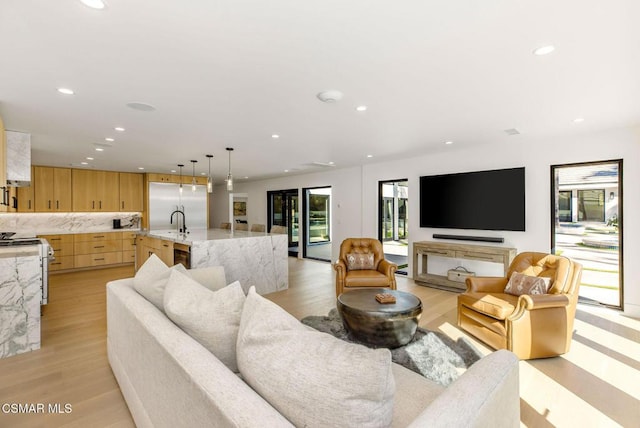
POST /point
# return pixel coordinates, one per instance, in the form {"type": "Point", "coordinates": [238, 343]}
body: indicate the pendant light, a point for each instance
{"type": "Point", "coordinates": [229, 176]}
{"type": "Point", "coordinates": [193, 178]}
{"type": "Point", "coordinates": [209, 178]}
{"type": "Point", "coordinates": [180, 188]}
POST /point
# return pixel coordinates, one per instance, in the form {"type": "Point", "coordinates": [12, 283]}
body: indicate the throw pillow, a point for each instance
{"type": "Point", "coordinates": [151, 279]}
{"type": "Point", "coordinates": [360, 261]}
{"type": "Point", "coordinates": [211, 277]}
{"type": "Point", "coordinates": [210, 317]}
{"type": "Point", "coordinates": [312, 378]}
{"type": "Point", "coordinates": [520, 284]}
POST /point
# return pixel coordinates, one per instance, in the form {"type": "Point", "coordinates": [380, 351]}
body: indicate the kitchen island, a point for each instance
{"type": "Point", "coordinates": [20, 297]}
{"type": "Point", "coordinates": [253, 258]}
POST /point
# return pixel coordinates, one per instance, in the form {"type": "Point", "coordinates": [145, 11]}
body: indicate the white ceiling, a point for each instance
{"type": "Point", "coordinates": [231, 73]}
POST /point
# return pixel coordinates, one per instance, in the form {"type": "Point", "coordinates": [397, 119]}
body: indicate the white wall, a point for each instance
{"type": "Point", "coordinates": [355, 191]}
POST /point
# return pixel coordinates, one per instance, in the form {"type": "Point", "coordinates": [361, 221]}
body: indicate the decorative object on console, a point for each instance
{"type": "Point", "coordinates": [459, 274]}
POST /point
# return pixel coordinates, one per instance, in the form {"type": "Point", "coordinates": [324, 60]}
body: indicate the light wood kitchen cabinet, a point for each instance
{"type": "Point", "coordinates": [162, 178]}
{"type": "Point", "coordinates": [62, 246]}
{"type": "Point", "coordinates": [130, 191]}
{"type": "Point", "coordinates": [97, 249]}
{"type": "Point", "coordinates": [26, 196]}
{"type": "Point", "coordinates": [52, 189]}
{"type": "Point", "coordinates": [128, 247]}
{"type": "Point", "coordinates": [95, 190]}
{"type": "Point", "coordinates": [146, 246]}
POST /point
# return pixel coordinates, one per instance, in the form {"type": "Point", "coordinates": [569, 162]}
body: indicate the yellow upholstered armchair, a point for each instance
{"type": "Point", "coordinates": [529, 325]}
{"type": "Point", "coordinates": [362, 264]}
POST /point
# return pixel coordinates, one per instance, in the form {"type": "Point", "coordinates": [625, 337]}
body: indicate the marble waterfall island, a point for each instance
{"type": "Point", "coordinates": [253, 258]}
{"type": "Point", "coordinates": [20, 297]}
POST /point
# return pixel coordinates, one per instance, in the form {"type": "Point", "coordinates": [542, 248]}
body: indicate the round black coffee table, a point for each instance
{"type": "Point", "coordinates": [386, 325]}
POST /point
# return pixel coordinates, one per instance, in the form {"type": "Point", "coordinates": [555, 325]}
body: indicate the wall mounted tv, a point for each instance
{"type": "Point", "coordinates": [483, 200]}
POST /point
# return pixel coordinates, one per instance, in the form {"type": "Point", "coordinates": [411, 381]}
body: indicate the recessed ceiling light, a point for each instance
{"type": "Point", "coordinates": [173, 170]}
{"type": "Point", "coordinates": [286, 170]}
{"type": "Point", "coordinates": [203, 173]}
{"type": "Point", "coordinates": [361, 108]}
{"type": "Point", "coordinates": [89, 158]}
{"type": "Point", "coordinates": [84, 163]}
{"type": "Point", "coordinates": [578, 120]}
{"type": "Point", "coordinates": [275, 136]}
{"type": "Point", "coordinates": [448, 143]}
{"type": "Point", "coordinates": [245, 177]}
{"type": "Point", "coordinates": [140, 168]}
{"type": "Point", "coordinates": [94, 4]}
{"type": "Point", "coordinates": [141, 106]}
{"type": "Point", "coordinates": [369, 156]}
{"type": "Point", "coordinates": [66, 91]}
{"type": "Point", "coordinates": [109, 139]}
{"type": "Point", "coordinates": [119, 129]}
{"type": "Point", "coordinates": [99, 149]}
{"type": "Point", "coordinates": [332, 163]}
{"type": "Point", "coordinates": [544, 50]}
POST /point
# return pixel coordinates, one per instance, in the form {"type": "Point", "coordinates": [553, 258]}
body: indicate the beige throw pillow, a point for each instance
{"type": "Point", "coordinates": [520, 284]}
{"type": "Point", "coordinates": [151, 279]}
{"type": "Point", "coordinates": [210, 317]}
{"type": "Point", "coordinates": [359, 261]}
{"type": "Point", "coordinates": [212, 277]}
{"type": "Point", "coordinates": [312, 378]}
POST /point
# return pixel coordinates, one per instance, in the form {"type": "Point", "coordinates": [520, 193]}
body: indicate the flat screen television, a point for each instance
{"type": "Point", "coordinates": [483, 200]}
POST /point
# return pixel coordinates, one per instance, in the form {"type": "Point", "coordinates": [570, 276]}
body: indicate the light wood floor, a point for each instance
{"type": "Point", "coordinates": [597, 384]}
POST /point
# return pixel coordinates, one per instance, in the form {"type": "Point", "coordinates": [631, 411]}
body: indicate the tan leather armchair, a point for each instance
{"type": "Point", "coordinates": [531, 326]}
{"type": "Point", "coordinates": [382, 273]}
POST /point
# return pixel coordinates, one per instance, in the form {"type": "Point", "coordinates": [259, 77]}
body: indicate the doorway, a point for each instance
{"type": "Point", "coordinates": [283, 209]}
{"type": "Point", "coordinates": [393, 221]}
{"type": "Point", "coordinates": [317, 223]}
{"type": "Point", "coordinates": [586, 226]}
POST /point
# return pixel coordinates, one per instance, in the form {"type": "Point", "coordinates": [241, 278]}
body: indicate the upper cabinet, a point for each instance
{"type": "Point", "coordinates": [52, 189]}
{"type": "Point", "coordinates": [26, 196]}
{"type": "Point", "coordinates": [95, 190]}
{"type": "Point", "coordinates": [131, 191]}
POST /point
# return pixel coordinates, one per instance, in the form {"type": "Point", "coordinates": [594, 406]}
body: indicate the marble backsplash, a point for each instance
{"type": "Point", "coordinates": [31, 224]}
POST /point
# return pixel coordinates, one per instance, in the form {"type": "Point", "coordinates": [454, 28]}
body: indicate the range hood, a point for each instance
{"type": "Point", "coordinates": [18, 159]}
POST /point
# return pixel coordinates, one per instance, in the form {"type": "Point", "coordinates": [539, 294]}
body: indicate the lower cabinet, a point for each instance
{"type": "Point", "coordinates": [87, 250]}
{"type": "Point", "coordinates": [146, 246]}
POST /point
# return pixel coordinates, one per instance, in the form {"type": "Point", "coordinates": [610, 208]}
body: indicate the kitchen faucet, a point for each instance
{"type": "Point", "coordinates": [182, 229]}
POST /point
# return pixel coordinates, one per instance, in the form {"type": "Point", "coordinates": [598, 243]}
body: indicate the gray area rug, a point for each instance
{"type": "Point", "coordinates": [432, 354]}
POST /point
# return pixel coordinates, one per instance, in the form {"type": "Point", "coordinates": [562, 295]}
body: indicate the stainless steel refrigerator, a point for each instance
{"type": "Point", "coordinates": [165, 198]}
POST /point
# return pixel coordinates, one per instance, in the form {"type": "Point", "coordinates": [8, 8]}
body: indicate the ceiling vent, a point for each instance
{"type": "Point", "coordinates": [512, 131]}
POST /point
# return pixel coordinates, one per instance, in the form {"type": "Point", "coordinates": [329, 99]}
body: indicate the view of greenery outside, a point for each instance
{"type": "Point", "coordinates": [319, 218]}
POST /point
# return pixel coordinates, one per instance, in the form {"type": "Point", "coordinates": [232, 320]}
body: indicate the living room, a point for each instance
{"type": "Point", "coordinates": [426, 83]}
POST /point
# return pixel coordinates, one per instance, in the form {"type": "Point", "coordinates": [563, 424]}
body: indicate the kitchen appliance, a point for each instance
{"type": "Point", "coordinates": [46, 256]}
{"type": "Point", "coordinates": [117, 223]}
{"type": "Point", "coordinates": [165, 198]}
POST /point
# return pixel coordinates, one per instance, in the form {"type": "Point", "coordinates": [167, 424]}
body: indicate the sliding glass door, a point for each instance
{"type": "Point", "coordinates": [284, 210]}
{"type": "Point", "coordinates": [317, 220]}
{"type": "Point", "coordinates": [393, 221]}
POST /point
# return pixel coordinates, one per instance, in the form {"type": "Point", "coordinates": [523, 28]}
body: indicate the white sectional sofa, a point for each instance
{"type": "Point", "coordinates": [169, 379]}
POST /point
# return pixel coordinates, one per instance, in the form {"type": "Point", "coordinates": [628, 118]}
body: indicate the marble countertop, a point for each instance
{"type": "Point", "coordinates": [200, 235]}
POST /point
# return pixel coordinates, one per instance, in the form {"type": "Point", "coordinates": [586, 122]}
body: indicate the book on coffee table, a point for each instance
{"type": "Point", "coordinates": [385, 298]}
